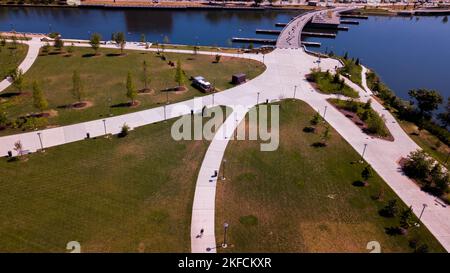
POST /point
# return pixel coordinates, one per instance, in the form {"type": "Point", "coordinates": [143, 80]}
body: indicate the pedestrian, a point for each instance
{"type": "Point", "coordinates": [201, 233]}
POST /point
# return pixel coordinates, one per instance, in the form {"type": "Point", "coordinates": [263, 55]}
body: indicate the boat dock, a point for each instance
{"type": "Point", "coordinates": [349, 22]}
{"type": "Point", "coordinates": [254, 40]}
{"type": "Point", "coordinates": [268, 31]}
{"type": "Point", "coordinates": [354, 16]}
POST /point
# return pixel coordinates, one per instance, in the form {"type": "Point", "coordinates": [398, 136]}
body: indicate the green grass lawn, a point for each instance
{"type": "Point", "coordinates": [351, 70]}
{"type": "Point", "coordinates": [10, 57]}
{"type": "Point", "coordinates": [112, 195]}
{"type": "Point", "coordinates": [104, 79]}
{"type": "Point", "coordinates": [326, 83]}
{"type": "Point", "coordinates": [301, 198]}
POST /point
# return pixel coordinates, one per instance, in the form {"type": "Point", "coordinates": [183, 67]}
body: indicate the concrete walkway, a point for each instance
{"type": "Point", "coordinates": [33, 51]}
{"type": "Point", "coordinates": [286, 68]}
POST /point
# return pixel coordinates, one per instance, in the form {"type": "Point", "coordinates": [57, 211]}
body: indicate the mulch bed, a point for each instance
{"type": "Point", "coordinates": [360, 123]}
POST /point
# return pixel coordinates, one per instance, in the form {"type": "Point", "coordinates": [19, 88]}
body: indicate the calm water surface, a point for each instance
{"type": "Point", "coordinates": [407, 52]}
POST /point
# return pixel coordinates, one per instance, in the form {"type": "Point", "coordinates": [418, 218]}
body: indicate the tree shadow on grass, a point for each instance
{"type": "Point", "coordinates": [393, 231]}
{"type": "Point", "coordinates": [114, 54]}
{"type": "Point", "coordinates": [9, 95]}
{"type": "Point", "coordinates": [319, 144]}
{"type": "Point", "coordinates": [359, 183]}
{"type": "Point", "coordinates": [88, 55]}
{"type": "Point", "coordinates": [120, 105]}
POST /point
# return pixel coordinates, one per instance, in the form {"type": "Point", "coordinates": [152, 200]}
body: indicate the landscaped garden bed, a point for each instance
{"type": "Point", "coordinates": [364, 117]}
{"type": "Point", "coordinates": [328, 83]}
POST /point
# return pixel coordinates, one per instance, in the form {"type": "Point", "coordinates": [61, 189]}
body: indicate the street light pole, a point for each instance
{"type": "Point", "coordinates": [364, 151]}
{"type": "Point", "coordinates": [164, 113]}
{"type": "Point", "coordinates": [295, 90]}
{"type": "Point", "coordinates": [40, 141]}
{"type": "Point", "coordinates": [325, 112]}
{"type": "Point", "coordinates": [257, 98]}
{"type": "Point", "coordinates": [420, 216]}
{"type": "Point", "coordinates": [213, 99]}
{"type": "Point", "coordinates": [104, 125]}
{"type": "Point", "coordinates": [225, 227]}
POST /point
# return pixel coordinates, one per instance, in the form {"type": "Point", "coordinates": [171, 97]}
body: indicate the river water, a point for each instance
{"type": "Point", "coordinates": [406, 52]}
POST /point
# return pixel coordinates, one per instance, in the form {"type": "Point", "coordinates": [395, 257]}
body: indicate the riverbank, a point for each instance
{"type": "Point", "coordinates": [166, 5]}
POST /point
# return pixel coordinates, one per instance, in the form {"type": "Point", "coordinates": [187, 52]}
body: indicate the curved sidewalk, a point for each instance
{"type": "Point", "coordinates": [33, 51]}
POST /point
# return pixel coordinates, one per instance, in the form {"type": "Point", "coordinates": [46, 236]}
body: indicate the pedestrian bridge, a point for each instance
{"type": "Point", "coordinates": [290, 36]}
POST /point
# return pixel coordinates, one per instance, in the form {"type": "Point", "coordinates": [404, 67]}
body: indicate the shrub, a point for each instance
{"type": "Point", "coordinates": [417, 165]}
{"type": "Point", "coordinates": [124, 131]}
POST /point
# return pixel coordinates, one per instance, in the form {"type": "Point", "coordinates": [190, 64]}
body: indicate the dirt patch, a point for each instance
{"type": "Point", "coordinates": [146, 91]}
{"type": "Point", "coordinates": [82, 105]}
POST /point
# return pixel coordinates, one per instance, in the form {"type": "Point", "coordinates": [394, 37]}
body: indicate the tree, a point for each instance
{"type": "Point", "coordinates": [18, 80]}
{"type": "Point", "coordinates": [326, 135]}
{"type": "Point", "coordinates": [131, 91]}
{"type": "Point", "coordinates": [368, 104]}
{"type": "Point", "coordinates": [145, 77]}
{"type": "Point", "coordinates": [417, 165]}
{"type": "Point", "coordinates": [180, 78]}
{"type": "Point", "coordinates": [119, 38]}
{"type": "Point", "coordinates": [77, 86]}
{"type": "Point", "coordinates": [391, 209]}
{"type": "Point", "coordinates": [166, 40]}
{"type": "Point", "coordinates": [3, 119]}
{"type": "Point", "coordinates": [217, 58]}
{"type": "Point", "coordinates": [316, 119]}
{"type": "Point", "coordinates": [258, 2]}
{"type": "Point", "coordinates": [427, 101]}
{"type": "Point", "coordinates": [367, 173]}
{"type": "Point", "coordinates": [444, 117]}
{"type": "Point", "coordinates": [39, 100]}
{"type": "Point", "coordinates": [95, 42]}
{"type": "Point", "coordinates": [406, 218]}
{"type": "Point", "coordinates": [124, 130]}
{"type": "Point", "coordinates": [58, 43]}
{"type": "Point", "coordinates": [346, 56]}
{"type": "Point", "coordinates": [46, 48]}
{"type": "Point", "coordinates": [18, 147]}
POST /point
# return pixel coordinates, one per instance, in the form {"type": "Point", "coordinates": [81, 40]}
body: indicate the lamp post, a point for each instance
{"type": "Point", "coordinates": [420, 216]}
{"type": "Point", "coordinates": [364, 151]}
{"type": "Point", "coordinates": [164, 113]}
{"type": "Point", "coordinates": [40, 141]}
{"type": "Point", "coordinates": [104, 125]}
{"type": "Point", "coordinates": [295, 90]}
{"type": "Point", "coordinates": [223, 170]}
{"type": "Point", "coordinates": [324, 112]}
{"type": "Point", "coordinates": [257, 98]}
{"type": "Point", "coordinates": [212, 99]}
{"type": "Point", "coordinates": [225, 227]}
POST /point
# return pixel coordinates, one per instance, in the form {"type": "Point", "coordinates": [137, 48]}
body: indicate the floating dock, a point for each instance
{"type": "Point", "coordinates": [314, 44]}
{"type": "Point", "coordinates": [254, 40]}
{"type": "Point", "coordinates": [319, 34]}
{"type": "Point", "coordinates": [354, 16]}
{"type": "Point", "coordinates": [349, 22]}
{"type": "Point", "coordinates": [268, 31]}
